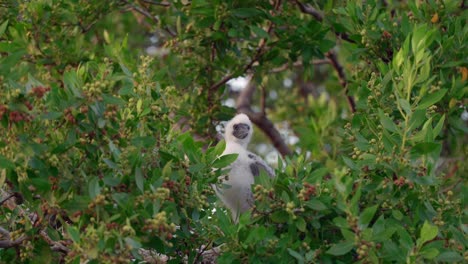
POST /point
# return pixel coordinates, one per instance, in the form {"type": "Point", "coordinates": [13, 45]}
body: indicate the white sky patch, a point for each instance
{"type": "Point", "coordinates": [229, 102]}
{"type": "Point", "coordinates": [238, 84]}
{"type": "Point", "coordinates": [152, 50]}
{"type": "Point", "coordinates": [262, 149]}
{"type": "Point", "coordinates": [464, 115]}
{"type": "Point", "coordinates": [292, 140]}
{"type": "Point", "coordinates": [272, 157]}
{"type": "Point", "coordinates": [273, 94]}
{"type": "Point", "coordinates": [287, 83]}
{"type": "Point", "coordinates": [156, 51]}
{"type": "Point", "coordinates": [154, 39]}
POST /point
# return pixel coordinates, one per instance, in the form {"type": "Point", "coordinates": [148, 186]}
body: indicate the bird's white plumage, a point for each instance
{"type": "Point", "coordinates": [235, 190]}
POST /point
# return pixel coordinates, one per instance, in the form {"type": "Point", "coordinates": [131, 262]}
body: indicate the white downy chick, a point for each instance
{"type": "Point", "coordinates": [235, 190]}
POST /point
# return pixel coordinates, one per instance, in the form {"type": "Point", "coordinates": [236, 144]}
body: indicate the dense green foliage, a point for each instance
{"type": "Point", "coordinates": [113, 150]}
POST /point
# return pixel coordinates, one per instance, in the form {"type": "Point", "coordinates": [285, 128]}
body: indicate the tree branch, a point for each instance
{"type": "Point", "coordinates": [7, 242]}
{"type": "Point", "coordinates": [298, 64]}
{"type": "Point", "coordinates": [18, 198]}
{"type": "Point", "coordinates": [260, 119]}
{"type": "Point", "coordinates": [141, 11]}
{"type": "Point", "coordinates": [157, 3]}
{"type": "Point", "coordinates": [308, 9]}
{"type": "Point", "coordinates": [258, 54]}
{"type": "Point", "coordinates": [54, 245]}
{"type": "Point", "coordinates": [342, 78]}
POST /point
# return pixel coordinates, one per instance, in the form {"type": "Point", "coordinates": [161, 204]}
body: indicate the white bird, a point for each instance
{"type": "Point", "coordinates": [235, 190]}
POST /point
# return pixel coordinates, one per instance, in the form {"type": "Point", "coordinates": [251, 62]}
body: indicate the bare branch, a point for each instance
{"type": "Point", "coordinates": [298, 64]}
{"type": "Point", "coordinates": [4, 233]}
{"type": "Point", "coordinates": [342, 78]}
{"type": "Point", "coordinates": [157, 3]}
{"type": "Point", "coordinates": [54, 245]}
{"type": "Point", "coordinates": [18, 198]}
{"type": "Point", "coordinates": [142, 11]}
{"type": "Point", "coordinates": [258, 54]}
{"type": "Point", "coordinates": [222, 82]}
{"type": "Point", "coordinates": [6, 242]}
{"type": "Point", "coordinates": [259, 119]}
{"type": "Point", "coordinates": [262, 99]}
{"type": "Point", "coordinates": [308, 9]}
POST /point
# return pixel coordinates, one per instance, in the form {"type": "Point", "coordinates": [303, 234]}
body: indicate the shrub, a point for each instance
{"type": "Point", "coordinates": [106, 150]}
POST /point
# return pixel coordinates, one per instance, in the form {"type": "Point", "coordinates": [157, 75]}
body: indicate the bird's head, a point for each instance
{"type": "Point", "coordinates": [239, 130]}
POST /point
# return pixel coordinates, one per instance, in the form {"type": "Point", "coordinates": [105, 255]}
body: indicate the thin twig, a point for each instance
{"type": "Point", "coordinates": [201, 252]}
{"type": "Point", "coordinates": [342, 78]}
{"type": "Point", "coordinates": [157, 3]}
{"type": "Point", "coordinates": [54, 245]}
{"type": "Point", "coordinates": [221, 82]}
{"type": "Point", "coordinates": [258, 54]}
{"type": "Point", "coordinates": [142, 11]}
{"type": "Point", "coordinates": [259, 119]}
{"type": "Point", "coordinates": [18, 196]}
{"type": "Point", "coordinates": [262, 100]}
{"type": "Point", "coordinates": [14, 243]}
{"type": "Point", "coordinates": [298, 64]}
{"type": "Point", "coordinates": [4, 233]}
{"type": "Point", "coordinates": [308, 9]}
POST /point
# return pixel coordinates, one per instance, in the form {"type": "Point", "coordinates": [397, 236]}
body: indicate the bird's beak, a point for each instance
{"type": "Point", "coordinates": [241, 131]}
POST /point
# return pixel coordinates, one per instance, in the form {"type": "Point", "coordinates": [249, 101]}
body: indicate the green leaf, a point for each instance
{"type": "Point", "coordinates": [220, 147]}
{"type": "Point", "coordinates": [325, 45]}
{"type": "Point", "coordinates": [387, 123]}
{"type": "Point", "coordinates": [301, 224]}
{"type": "Point", "coordinates": [51, 115]}
{"type": "Point", "coordinates": [109, 99]}
{"type": "Point", "coordinates": [279, 217]}
{"type": "Point", "coordinates": [398, 59]}
{"type": "Point", "coordinates": [428, 232]}
{"type": "Point", "coordinates": [317, 174]}
{"type": "Point", "coordinates": [225, 160]}
{"type": "Point", "coordinates": [431, 99]}
{"type": "Point", "coordinates": [397, 215]}
{"type": "Point", "coordinates": [144, 142]}
{"type": "Point", "coordinates": [139, 179]}
{"type": "Point", "coordinates": [417, 118]}
{"type": "Point", "coordinates": [246, 12]}
{"type": "Point", "coordinates": [449, 256]}
{"type": "Point", "coordinates": [93, 187]}
{"type": "Point", "coordinates": [74, 233]}
{"type": "Point", "coordinates": [296, 255]}
{"type": "Point", "coordinates": [316, 205]}
{"type": "Point", "coordinates": [196, 167]}
{"type": "Point", "coordinates": [5, 163]}
{"type": "Point", "coordinates": [438, 127]}
{"type": "Point", "coordinates": [429, 253]}
{"type": "Point", "coordinates": [256, 234]}
{"type": "Point", "coordinates": [405, 105]}
{"type": "Point", "coordinates": [3, 27]}
{"type": "Point", "coordinates": [348, 234]}
{"type": "Point", "coordinates": [367, 215]}
{"type": "Point", "coordinates": [425, 147]}
{"type": "Point", "coordinates": [133, 243]}
{"type": "Point", "coordinates": [340, 248]}
{"type": "Point", "coordinates": [167, 170]}
{"type": "Point", "coordinates": [260, 32]}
